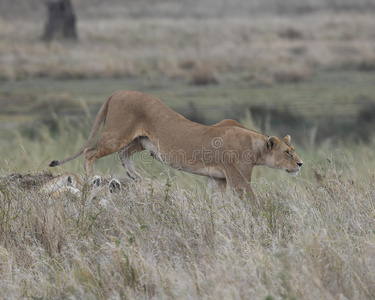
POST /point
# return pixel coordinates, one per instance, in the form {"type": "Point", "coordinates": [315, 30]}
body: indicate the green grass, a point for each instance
{"type": "Point", "coordinates": [337, 94]}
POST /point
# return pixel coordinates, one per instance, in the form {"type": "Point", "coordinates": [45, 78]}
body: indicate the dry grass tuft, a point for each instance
{"type": "Point", "coordinates": [283, 74]}
{"type": "Point", "coordinates": [25, 181]}
{"type": "Point", "coordinates": [56, 103]}
{"type": "Point", "coordinates": [291, 34]}
{"type": "Point", "coordinates": [293, 74]}
{"type": "Point", "coordinates": [202, 74]}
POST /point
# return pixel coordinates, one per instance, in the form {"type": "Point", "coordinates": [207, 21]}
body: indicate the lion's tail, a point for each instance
{"type": "Point", "coordinates": [97, 123]}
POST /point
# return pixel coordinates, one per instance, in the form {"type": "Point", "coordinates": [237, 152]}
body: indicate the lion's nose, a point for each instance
{"type": "Point", "coordinates": [300, 164]}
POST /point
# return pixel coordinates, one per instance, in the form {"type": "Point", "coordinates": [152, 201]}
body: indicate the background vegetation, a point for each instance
{"type": "Point", "coordinates": [280, 67]}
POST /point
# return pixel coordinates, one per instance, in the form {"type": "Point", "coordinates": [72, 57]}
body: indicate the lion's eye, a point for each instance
{"type": "Point", "coordinates": [288, 153]}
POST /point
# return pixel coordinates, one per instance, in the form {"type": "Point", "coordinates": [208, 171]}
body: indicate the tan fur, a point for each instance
{"type": "Point", "coordinates": [70, 183]}
{"type": "Point", "coordinates": [67, 182]}
{"type": "Point", "coordinates": [226, 151]}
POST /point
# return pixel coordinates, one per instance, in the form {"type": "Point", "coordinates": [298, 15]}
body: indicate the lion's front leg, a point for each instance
{"type": "Point", "coordinates": [221, 184]}
{"type": "Point", "coordinates": [240, 182]}
{"type": "Point", "coordinates": [244, 190]}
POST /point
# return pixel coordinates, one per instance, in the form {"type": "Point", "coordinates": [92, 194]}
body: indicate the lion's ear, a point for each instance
{"type": "Point", "coordinates": [287, 139]}
{"type": "Point", "coordinates": [271, 143]}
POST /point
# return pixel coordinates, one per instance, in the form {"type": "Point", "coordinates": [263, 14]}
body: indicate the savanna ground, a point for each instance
{"type": "Point", "coordinates": [302, 69]}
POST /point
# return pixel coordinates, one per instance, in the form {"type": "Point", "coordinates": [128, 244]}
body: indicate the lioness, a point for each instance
{"type": "Point", "coordinates": [226, 152]}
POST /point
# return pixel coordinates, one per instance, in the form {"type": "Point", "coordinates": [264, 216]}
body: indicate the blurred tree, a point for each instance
{"type": "Point", "coordinates": [61, 21]}
{"type": "Point", "coordinates": [366, 123]}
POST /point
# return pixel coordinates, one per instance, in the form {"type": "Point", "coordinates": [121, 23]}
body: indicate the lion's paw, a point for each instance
{"type": "Point", "coordinates": [114, 186]}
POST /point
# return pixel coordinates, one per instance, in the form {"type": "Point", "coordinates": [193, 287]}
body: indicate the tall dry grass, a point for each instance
{"type": "Point", "coordinates": [307, 240]}
{"type": "Point", "coordinates": [311, 237]}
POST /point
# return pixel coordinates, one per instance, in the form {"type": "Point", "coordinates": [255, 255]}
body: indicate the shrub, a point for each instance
{"type": "Point", "coordinates": [367, 64]}
{"type": "Point", "coordinates": [56, 103]}
{"type": "Point", "coordinates": [203, 74]}
{"type": "Point", "coordinates": [291, 34]}
{"type": "Point", "coordinates": [293, 74]}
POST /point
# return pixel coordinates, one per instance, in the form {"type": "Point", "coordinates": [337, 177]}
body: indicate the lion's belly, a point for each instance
{"type": "Point", "coordinates": [179, 160]}
{"type": "Point", "coordinates": [210, 171]}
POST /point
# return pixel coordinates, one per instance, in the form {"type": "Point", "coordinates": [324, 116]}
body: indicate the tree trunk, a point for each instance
{"type": "Point", "coordinates": [61, 21]}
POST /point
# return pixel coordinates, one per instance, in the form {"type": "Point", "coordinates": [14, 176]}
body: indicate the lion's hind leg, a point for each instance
{"type": "Point", "coordinates": [108, 143]}
{"type": "Point", "coordinates": [125, 155]}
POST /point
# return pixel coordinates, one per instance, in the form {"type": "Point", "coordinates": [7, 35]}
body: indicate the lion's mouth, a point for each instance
{"type": "Point", "coordinates": [293, 173]}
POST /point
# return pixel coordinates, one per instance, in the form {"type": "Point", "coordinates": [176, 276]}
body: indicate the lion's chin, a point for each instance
{"type": "Point", "coordinates": [292, 173]}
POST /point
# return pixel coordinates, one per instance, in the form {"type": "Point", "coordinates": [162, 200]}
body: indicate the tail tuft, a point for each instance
{"type": "Point", "coordinates": [54, 163]}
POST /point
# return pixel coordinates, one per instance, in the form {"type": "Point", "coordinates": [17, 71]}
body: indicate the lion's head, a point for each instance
{"type": "Point", "coordinates": [281, 155]}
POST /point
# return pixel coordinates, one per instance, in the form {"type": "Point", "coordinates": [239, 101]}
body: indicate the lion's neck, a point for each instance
{"type": "Point", "coordinates": [260, 149]}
